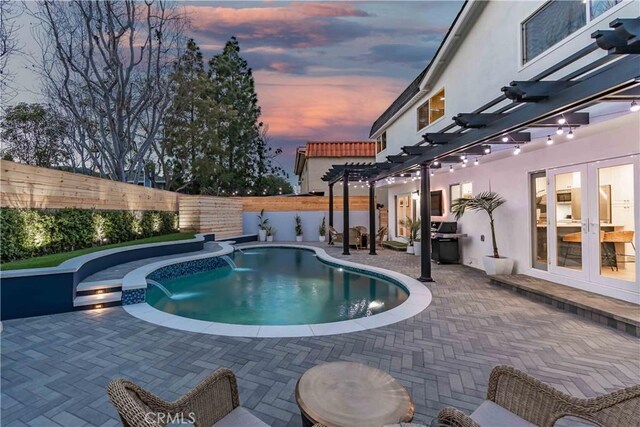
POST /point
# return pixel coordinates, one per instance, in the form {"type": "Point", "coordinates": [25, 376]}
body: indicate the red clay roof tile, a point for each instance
{"type": "Point", "coordinates": [341, 149]}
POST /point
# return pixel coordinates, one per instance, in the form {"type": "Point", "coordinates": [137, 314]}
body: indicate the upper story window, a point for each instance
{"type": "Point", "coordinates": [381, 142]}
{"type": "Point", "coordinates": [556, 20]}
{"type": "Point", "coordinates": [431, 110]}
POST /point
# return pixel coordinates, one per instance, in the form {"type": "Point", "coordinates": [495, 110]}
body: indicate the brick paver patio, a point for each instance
{"type": "Point", "coordinates": [55, 368]}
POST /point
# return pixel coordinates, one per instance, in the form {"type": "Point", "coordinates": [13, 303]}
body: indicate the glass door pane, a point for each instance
{"type": "Point", "coordinates": [539, 220]}
{"type": "Point", "coordinates": [568, 220]}
{"type": "Point", "coordinates": [615, 222]}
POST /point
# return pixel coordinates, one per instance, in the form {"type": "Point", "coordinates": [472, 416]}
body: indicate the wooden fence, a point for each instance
{"type": "Point", "coordinates": [205, 214]}
{"type": "Point", "coordinates": [301, 203]}
{"type": "Point", "coordinates": [24, 186]}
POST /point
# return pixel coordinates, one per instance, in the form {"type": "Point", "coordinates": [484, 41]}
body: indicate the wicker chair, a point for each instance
{"type": "Point", "coordinates": [514, 395]}
{"type": "Point", "coordinates": [334, 236]}
{"type": "Point", "coordinates": [214, 401]}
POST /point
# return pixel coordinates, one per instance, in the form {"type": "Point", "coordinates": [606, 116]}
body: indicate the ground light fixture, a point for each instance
{"type": "Point", "coordinates": [549, 140]}
{"type": "Point", "coordinates": [570, 135]}
{"type": "Point", "coordinates": [516, 150]}
{"type": "Point", "coordinates": [634, 107]}
{"type": "Point", "coordinates": [560, 130]}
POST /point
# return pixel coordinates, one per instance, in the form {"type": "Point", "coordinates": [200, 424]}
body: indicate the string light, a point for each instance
{"type": "Point", "coordinates": [450, 168]}
{"type": "Point", "coordinates": [560, 130]}
{"type": "Point", "coordinates": [570, 135]}
{"type": "Point", "coordinates": [465, 160]}
{"type": "Point", "coordinates": [432, 173]}
{"type": "Point", "coordinates": [562, 120]}
{"type": "Point", "coordinates": [516, 150]}
{"type": "Point", "coordinates": [549, 140]}
{"type": "Point", "coordinates": [463, 157]}
{"type": "Point", "coordinates": [634, 107]}
{"type": "Point", "coordinates": [487, 150]}
{"type": "Point", "coordinates": [436, 163]}
{"type": "Point", "coordinates": [505, 138]}
{"type": "Point", "coordinates": [476, 162]}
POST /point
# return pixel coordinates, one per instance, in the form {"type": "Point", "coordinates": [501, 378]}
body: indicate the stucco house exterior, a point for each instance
{"type": "Point", "coordinates": [314, 158]}
{"type": "Point", "coordinates": [568, 182]}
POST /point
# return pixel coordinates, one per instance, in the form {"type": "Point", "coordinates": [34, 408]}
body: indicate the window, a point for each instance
{"type": "Point", "coordinates": [460, 191]}
{"type": "Point", "coordinates": [431, 110]}
{"type": "Point", "coordinates": [436, 106]}
{"type": "Point", "coordinates": [598, 7]}
{"type": "Point", "coordinates": [555, 21]}
{"type": "Point", "coordinates": [381, 142]}
{"type": "Point", "coordinates": [423, 115]}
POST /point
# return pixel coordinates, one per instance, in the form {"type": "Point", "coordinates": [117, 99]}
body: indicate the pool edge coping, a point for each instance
{"type": "Point", "coordinates": [418, 300]}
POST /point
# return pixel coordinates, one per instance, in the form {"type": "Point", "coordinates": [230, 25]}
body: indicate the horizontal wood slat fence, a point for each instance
{"type": "Point", "coordinates": [301, 203]}
{"type": "Point", "coordinates": [30, 187]}
{"type": "Point", "coordinates": [24, 186]}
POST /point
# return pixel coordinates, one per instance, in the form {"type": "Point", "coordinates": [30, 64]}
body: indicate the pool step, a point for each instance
{"type": "Point", "coordinates": [107, 299]}
{"type": "Point", "coordinates": [98, 287]}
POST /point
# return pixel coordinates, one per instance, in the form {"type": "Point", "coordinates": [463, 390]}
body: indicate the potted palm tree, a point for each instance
{"type": "Point", "coordinates": [271, 232]}
{"type": "Point", "coordinates": [322, 230]}
{"type": "Point", "coordinates": [263, 224]}
{"type": "Point", "coordinates": [414, 228]}
{"type": "Point", "coordinates": [488, 202]}
{"type": "Point", "coordinates": [298, 228]}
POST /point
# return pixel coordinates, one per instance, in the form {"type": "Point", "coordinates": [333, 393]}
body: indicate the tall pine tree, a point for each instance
{"type": "Point", "coordinates": [190, 127]}
{"type": "Point", "coordinates": [246, 156]}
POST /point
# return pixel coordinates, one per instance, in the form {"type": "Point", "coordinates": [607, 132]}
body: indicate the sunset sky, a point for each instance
{"type": "Point", "coordinates": [325, 70]}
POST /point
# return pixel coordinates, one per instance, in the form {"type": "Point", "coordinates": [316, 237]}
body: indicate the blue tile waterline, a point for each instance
{"type": "Point", "coordinates": [271, 286]}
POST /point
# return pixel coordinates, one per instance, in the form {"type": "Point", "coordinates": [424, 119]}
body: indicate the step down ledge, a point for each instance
{"type": "Point", "coordinates": [99, 284]}
{"type": "Point", "coordinates": [97, 299]}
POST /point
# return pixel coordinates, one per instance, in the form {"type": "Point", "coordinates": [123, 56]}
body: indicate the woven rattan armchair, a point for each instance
{"type": "Point", "coordinates": [541, 405]}
{"type": "Point", "coordinates": [214, 399]}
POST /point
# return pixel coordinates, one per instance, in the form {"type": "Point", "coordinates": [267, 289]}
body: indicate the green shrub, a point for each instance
{"type": "Point", "coordinates": [26, 233]}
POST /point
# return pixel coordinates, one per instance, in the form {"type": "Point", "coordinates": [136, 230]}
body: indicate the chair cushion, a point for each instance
{"type": "Point", "coordinates": [240, 417]}
{"type": "Point", "coordinates": [493, 415]}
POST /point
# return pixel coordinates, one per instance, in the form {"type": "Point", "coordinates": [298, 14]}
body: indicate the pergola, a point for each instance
{"type": "Point", "coordinates": [534, 103]}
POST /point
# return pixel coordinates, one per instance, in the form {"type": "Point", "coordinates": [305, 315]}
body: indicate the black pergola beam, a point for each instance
{"type": "Point", "coordinates": [398, 159]}
{"type": "Point", "coordinates": [627, 29]}
{"type": "Point", "coordinates": [534, 91]}
{"type": "Point", "coordinates": [439, 138]}
{"type": "Point", "coordinates": [623, 39]}
{"type": "Point", "coordinates": [413, 150]}
{"type": "Point", "coordinates": [512, 138]}
{"type": "Point", "coordinates": [476, 120]}
{"type": "Point", "coordinates": [572, 119]}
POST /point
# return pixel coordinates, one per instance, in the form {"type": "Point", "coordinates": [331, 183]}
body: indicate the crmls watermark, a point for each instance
{"type": "Point", "coordinates": [166, 418]}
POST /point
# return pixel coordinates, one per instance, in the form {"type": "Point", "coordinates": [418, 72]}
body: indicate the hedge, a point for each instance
{"type": "Point", "coordinates": [25, 233]}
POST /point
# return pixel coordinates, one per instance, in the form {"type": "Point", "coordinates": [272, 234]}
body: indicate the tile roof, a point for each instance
{"type": "Point", "coordinates": [340, 149]}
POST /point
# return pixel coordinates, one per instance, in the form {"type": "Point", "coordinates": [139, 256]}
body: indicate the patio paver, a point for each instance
{"type": "Point", "coordinates": [55, 368]}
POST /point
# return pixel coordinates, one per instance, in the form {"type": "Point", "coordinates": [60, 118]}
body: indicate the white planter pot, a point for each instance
{"type": "Point", "coordinates": [417, 248]}
{"type": "Point", "coordinates": [269, 238]}
{"type": "Point", "coordinates": [299, 238]}
{"type": "Point", "coordinates": [321, 238]}
{"type": "Point", "coordinates": [494, 266]}
{"type": "Point", "coordinates": [262, 235]}
{"type": "Point", "coordinates": [410, 249]}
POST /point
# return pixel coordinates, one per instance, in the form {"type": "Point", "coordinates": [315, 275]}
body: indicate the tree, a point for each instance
{"type": "Point", "coordinates": [34, 134]}
{"type": "Point", "coordinates": [8, 47]}
{"type": "Point", "coordinates": [245, 155]}
{"type": "Point", "coordinates": [270, 185]}
{"type": "Point", "coordinates": [192, 149]}
{"type": "Point", "coordinates": [107, 63]}
{"type": "Point", "coordinates": [486, 201]}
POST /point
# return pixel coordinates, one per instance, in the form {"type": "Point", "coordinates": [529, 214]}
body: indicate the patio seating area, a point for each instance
{"type": "Point", "coordinates": [56, 368]}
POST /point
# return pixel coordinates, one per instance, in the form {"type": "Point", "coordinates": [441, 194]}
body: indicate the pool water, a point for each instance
{"type": "Point", "coordinates": [275, 286]}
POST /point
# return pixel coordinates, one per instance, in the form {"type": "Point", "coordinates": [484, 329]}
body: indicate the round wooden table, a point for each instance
{"type": "Point", "coordinates": [351, 394]}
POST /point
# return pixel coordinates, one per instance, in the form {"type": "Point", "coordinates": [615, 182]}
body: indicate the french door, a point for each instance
{"type": "Point", "coordinates": [593, 215]}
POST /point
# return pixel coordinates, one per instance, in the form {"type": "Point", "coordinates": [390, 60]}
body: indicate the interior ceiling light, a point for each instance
{"type": "Point", "coordinates": [487, 150]}
{"type": "Point", "coordinates": [560, 130]}
{"type": "Point", "coordinates": [562, 120]}
{"type": "Point", "coordinates": [476, 162]}
{"type": "Point", "coordinates": [450, 168]}
{"type": "Point", "coordinates": [570, 135]}
{"type": "Point", "coordinates": [505, 138]}
{"type": "Point", "coordinates": [549, 140]}
{"type": "Point", "coordinates": [634, 106]}
{"type": "Point", "coordinates": [516, 150]}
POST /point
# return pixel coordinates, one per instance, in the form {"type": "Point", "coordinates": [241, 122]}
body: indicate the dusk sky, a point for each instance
{"type": "Point", "coordinates": [323, 70]}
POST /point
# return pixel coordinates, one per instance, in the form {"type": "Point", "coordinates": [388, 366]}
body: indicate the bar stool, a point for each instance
{"type": "Point", "coordinates": [613, 237]}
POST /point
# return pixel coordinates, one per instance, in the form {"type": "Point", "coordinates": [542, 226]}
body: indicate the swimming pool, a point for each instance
{"type": "Point", "coordinates": [270, 286]}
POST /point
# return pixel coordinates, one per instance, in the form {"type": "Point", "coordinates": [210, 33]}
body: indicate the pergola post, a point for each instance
{"type": "Point", "coordinates": [372, 218]}
{"type": "Point", "coordinates": [330, 209]}
{"type": "Point", "coordinates": [425, 218]}
{"type": "Point", "coordinates": [345, 212]}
